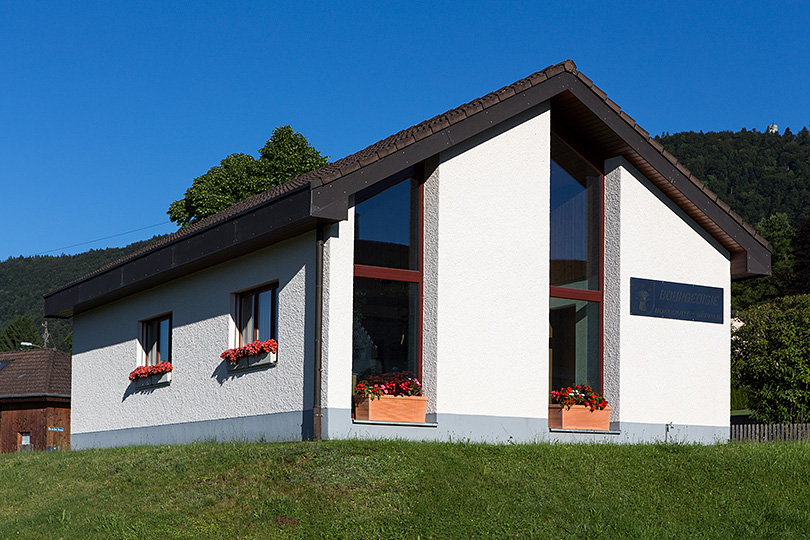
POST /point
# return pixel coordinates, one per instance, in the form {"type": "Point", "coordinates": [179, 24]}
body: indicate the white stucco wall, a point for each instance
{"type": "Point", "coordinates": [671, 371]}
{"type": "Point", "coordinates": [493, 231]}
{"type": "Point", "coordinates": [106, 348]}
{"type": "Point", "coordinates": [486, 301]}
{"type": "Point", "coordinates": [338, 317]}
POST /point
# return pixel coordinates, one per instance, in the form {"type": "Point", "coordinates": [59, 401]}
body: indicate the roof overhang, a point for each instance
{"type": "Point", "coordinates": [273, 221]}
{"type": "Point", "coordinates": [580, 111]}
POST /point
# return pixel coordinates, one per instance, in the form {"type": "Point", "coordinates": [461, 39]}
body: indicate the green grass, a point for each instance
{"type": "Point", "coordinates": [394, 489]}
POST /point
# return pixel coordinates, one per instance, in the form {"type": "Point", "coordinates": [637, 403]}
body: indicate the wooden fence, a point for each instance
{"type": "Point", "coordinates": [770, 432]}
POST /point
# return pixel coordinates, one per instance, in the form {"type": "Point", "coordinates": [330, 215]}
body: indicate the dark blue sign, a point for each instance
{"type": "Point", "coordinates": [669, 300]}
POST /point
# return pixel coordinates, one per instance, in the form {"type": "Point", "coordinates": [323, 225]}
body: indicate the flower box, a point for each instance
{"type": "Point", "coordinates": [154, 380]}
{"type": "Point", "coordinates": [157, 374]}
{"type": "Point", "coordinates": [248, 362]}
{"type": "Point", "coordinates": [578, 417]}
{"type": "Point", "coordinates": [391, 408]}
{"type": "Point", "coordinates": [252, 355]}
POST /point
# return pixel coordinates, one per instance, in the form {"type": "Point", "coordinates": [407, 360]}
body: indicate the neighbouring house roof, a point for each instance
{"type": "Point", "coordinates": [34, 373]}
{"type": "Point", "coordinates": [580, 112]}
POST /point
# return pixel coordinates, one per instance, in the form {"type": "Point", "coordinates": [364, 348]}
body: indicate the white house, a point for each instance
{"type": "Point", "coordinates": [533, 238]}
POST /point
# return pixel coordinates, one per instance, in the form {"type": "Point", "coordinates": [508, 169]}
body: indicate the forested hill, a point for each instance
{"type": "Point", "coordinates": [24, 280]}
{"type": "Point", "coordinates": [757, 173]}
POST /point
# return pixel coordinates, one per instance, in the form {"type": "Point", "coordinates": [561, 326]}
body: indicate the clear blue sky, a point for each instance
{"type": "Point", "coordinates": [109, 110]}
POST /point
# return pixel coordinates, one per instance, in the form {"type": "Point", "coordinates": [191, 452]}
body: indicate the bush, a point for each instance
{"type": "Point", "coordinates": [770, 359]}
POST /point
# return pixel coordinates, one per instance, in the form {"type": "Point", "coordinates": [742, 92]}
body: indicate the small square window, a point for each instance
{"type": "Point", "coordinates": [25, 438]}
{"type": "Point", "coordinates": [256, 314]}
{"type": "Point", "coordinates": [156, 340]}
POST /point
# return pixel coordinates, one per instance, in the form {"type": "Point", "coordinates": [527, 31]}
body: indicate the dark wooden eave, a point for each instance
{"type": "Point", "coordinates": [578, 107]}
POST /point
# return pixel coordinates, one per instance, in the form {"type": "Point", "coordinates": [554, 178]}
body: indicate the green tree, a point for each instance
{"type": "Point", "coordinates": [286, 155]}
{"type": "Point", "coordinates": [19, 330]}
{"type": "Point", "coordinates": [801, 277]}
{"type": "Point", "coordinates": [781, 235]}
{"type": "Point", "coordinates": [770, 359]}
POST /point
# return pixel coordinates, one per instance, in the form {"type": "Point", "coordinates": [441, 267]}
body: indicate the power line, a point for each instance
{"type": "Point", "coordinates": [105, 238]}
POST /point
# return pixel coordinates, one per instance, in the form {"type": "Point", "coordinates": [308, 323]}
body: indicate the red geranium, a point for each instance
{"type": "Point", "coordinates": [580, 394]}
{"type": "Point", "coordinates": [145, 371]}
{"type": "Point", "coordinates": [403, 383]}
{"type": "Point", "coordinates": [256, 348]}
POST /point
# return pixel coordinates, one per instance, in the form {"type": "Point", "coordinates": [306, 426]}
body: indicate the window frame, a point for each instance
{"type": "Point", "coordinates": [148, 328]}
{"type": "Point", "coordinates": [596, 296]}
{"type": "Point", "coordinates": [401, 274]}
{"type": "Point", "coordinates": [239, 315]}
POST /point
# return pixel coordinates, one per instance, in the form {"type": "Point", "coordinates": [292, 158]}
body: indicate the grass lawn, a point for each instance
{"type": "Point", "coordinates": [394, 489]}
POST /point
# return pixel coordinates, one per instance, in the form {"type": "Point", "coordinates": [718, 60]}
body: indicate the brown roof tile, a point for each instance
{"type": "Point", "coordinates": [657, 145]}
{"type": "Point", "coordinates": [588, 82]}
{"type": "Point", "coordinates": [438, 123]}
{"type": "Point", "coordinates": [599, 93]}
{"type": "Point", "coordinates": [472, 107]}
{"type": "Point", "coordinates": [522, 85]}
{"type": "Point", "coordinates": [612, 104]}
{"type": "Point", "coordinates": [35, 371]}
{"type": "Point", "coordinates": [505, 92]}
{"type": "Point", "coordinates": [554, 70]}
{"type": "Point", "coordinates": [489, 100]}
{"type": "Point", "coordinates": [643, 132]}
{"type": "Point", "coordinates": [538, 78]}
{"type": "Point", "coordinates": [456, 115]}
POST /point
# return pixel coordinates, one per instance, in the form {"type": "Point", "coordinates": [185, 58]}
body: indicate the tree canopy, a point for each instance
{"type": "Point", "coordinates": [781, 235]}
{"type": "Point", "coordinates": [21, 329]}
{"type": "Point", "coordinates": [757, 174]}
{"type": "Point", "coordinates": [286, 155]}
{"type": "Point", "coordinates": [770, 355]}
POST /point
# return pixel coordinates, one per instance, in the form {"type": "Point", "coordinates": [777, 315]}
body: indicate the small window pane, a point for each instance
{"type": "Point", "coordinates": [574, 344]}
{"type": "Point", "coordinates": [265, 315]}
{"type": "Point", "coordinates": [157, 340]}
{"type": "Point", "coordinates": [256, 319]}
{"type": "Point", "coordinates": [151, 343]}
{"type": "Point", "coordinates": [386, 228]}
{"type": "Point", "coordinates": [163, 341]}
{"type": "Point", "coordinates": [246, 316]}
{"type": "Point", "coordinates": [385, 326]}
{"type": "Point", "coordinates": [576, 220]}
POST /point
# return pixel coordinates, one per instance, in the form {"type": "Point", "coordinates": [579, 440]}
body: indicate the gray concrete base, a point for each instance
{"type": "Point", "coordinates": [289, 426]}
{"type": "Point", "coordinates": [337, 424]}
{"type": "Point", "coordinates": [494, 429]}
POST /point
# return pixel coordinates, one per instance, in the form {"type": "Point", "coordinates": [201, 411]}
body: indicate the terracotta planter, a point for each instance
{"type": "Point", "coordinates": [391, 409]}
{"type": "Point", "coordinates": [578, 417]}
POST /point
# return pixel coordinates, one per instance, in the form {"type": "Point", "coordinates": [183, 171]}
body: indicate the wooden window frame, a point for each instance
{"type": "Point", "coordinates": [240, 316]}
{"type": "Point", "coordinates": [585, 294]}
{"type": "Point", "coordinates": [403, 275]}
{"type": "Point", "coordinates": [150, 327]}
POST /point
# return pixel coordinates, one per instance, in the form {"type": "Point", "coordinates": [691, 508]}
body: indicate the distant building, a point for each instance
{"type": "Point", "coordinates": [773, 128]}
{"type": "Point", "coordinates": [34, 400]}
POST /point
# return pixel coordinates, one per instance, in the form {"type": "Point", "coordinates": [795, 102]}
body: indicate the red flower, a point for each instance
{"type": "Point", "coordinates": [145, 371]}
{"type": "Point", "coordinates": [581, 394]}
{"type": "Point", "coordinates": [256, 348]}
{"type": "Point", "coordinates": [403, 383]}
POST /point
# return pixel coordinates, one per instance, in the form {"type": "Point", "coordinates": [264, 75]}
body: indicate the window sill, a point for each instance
{"type": "Point", "coordinates": [397, 424]}
{"type": "Point", "coordinates": [154, 380]}
{"type": "Point", "coordinates": [254, 362]}
{"type": "Point", "coordinates": [593, 431]}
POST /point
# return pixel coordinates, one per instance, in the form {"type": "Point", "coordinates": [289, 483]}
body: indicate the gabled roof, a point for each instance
{"type": "Point", "coordinates": [579, 110]}
{"type": "Point", "coordinates": [34, 373]}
